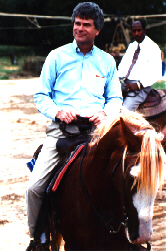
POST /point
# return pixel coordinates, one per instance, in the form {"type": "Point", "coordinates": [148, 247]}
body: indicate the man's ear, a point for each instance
{"type": "Point", "coordinates": [97, 32]}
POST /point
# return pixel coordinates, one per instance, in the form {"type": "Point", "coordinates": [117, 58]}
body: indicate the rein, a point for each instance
{"type": "Point", "coordinates": [107, 224]}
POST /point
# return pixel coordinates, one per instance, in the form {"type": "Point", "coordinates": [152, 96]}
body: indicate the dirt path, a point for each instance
{"type": "Point", "coordinates": [22, 130]}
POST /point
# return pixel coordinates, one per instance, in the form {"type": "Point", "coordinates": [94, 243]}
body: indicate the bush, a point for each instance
{"type": "Point", "coordinates": [32, 66]}
{"type": "Point", "coordinates": [159, 85]}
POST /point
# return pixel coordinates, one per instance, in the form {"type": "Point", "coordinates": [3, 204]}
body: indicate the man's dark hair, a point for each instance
{"type": "Point", "coordinates": [87, 10]}
{"type": "Point", "coordinates": [142, 23]}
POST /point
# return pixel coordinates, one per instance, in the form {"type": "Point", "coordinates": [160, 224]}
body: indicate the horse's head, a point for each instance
{"type": "Point", "coordinates": [143, 162]}
{"type": "Point", "coordinates": [141, 171]}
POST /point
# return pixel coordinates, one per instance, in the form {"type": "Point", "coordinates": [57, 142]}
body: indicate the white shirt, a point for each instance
{"type": "Point", "coordinates": [147, 68]}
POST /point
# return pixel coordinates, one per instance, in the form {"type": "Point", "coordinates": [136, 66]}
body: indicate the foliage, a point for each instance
{"type": "Point", "coordinates": [159, 85]}
{"type": "Point", "coordinates": [27, 64]}
{"type": "Point", "coordinates": [6, 68]}
{"type": "Point", "coordinates": [32, 66]}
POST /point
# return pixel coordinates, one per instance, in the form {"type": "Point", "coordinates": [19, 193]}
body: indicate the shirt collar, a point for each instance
{"type": "Point", "coordinates": [142, 44]}
{"type": "Point", "coordinates": [76, 48]}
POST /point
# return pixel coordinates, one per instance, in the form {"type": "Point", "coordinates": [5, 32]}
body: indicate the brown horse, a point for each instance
{"type": "Point", "coordinates": [158, 121]}
{"type": "Point", "coordinates": [115, 184]}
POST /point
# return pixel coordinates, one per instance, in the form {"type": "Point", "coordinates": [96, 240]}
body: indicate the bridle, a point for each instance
{"type": "Point", "coordinates": [125, 218]}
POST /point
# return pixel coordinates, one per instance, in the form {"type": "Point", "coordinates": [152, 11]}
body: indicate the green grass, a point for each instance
{"type": "Point", "coordinates": [7, 69]}
{"type": "Point", "coordinates": [25, 57]}
{"type": "Point", "coordinates": [159, 85]}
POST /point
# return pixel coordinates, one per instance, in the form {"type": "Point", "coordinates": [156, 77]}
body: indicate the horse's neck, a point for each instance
{"type": "Point", "coordinates": [109, 144]}
{"type": "Point", "coordinates": [101, 175]}
{"type": "Point", "coordinates": [103, 158]}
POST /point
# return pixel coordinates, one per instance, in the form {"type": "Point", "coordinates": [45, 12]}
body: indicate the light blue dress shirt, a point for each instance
{"type": "Point", "coordinates": [84, 84]}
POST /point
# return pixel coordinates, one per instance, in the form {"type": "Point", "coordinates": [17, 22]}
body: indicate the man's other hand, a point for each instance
{"type": "Point", "coordinates": [131, 87]}
{"type": "Point", "coordinates": [97, 118]}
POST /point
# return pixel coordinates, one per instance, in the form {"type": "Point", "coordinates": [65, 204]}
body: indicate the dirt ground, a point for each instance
{"type": "Point", "coordinates": [22, 130]}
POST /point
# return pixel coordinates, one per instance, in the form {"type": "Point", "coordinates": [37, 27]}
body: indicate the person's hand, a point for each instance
{"type": "Point", "coordinates": [67, 117]}
{"type": "Point", "coordinates": [97, 118]}
{"type": "Point", "coordinates": [131, 87]}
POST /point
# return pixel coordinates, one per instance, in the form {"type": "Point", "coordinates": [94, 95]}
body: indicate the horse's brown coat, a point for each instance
{"type": "Point", "coordinates": [81, 227]}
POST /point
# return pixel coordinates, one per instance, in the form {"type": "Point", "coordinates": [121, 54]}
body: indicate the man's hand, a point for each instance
{"type": "Point", "coordinates": [131, 87]}
{"type": "Point", "coordinates": [97, 118]}
{"type": "Point", "coordinates": [67, 117]}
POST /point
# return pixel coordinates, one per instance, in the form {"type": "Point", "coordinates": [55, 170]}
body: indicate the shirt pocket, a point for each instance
{"type": "Point", "coordinates": [97, 85]}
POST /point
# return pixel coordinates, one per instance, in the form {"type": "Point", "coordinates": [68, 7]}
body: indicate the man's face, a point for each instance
{"type": "Point", "coordinates": [138, 32]}
{"type": "Point", "coordinates": [84, 31]}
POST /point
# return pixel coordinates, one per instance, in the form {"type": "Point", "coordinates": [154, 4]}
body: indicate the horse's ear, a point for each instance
{"type": "Point", "coordinates": [128, 137]}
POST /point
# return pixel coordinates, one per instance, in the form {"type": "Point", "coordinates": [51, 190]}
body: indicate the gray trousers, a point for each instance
{"type": "Point", "coordinates": [133, 101]}
{"type": "Point", "coordinates": [38, 181]}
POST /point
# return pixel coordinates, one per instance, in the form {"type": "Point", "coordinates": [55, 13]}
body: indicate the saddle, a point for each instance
{"type": "Point", "coordinates": [63, 168]}
{"type": "Point", "coordinates": [68, 148]}
{"type": "Point", "coordinates": [152, 99]}
{"type": "Point", "coordinates": [154, 104]}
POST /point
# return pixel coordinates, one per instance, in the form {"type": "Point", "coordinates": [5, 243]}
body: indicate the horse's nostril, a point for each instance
{"type": "Point", "coordinates": [133, 237]}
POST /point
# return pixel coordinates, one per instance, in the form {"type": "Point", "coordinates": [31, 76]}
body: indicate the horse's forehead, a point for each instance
{"type": "Point", "coordinates": [135, 170]}
{"type": "Point", "coordinates": [141, 201]}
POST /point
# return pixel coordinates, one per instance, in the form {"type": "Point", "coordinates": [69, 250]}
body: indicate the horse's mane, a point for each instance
{"type": "Point", "coordinates": [131, 118]}
{"type": "Point", "coordinates": [152, 153]}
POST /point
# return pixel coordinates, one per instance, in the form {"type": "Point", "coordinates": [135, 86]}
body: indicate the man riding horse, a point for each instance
{"type": "Point", "coordinates": [139, 68]}
{"type": "Point", "coordinates": [78, 80]}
